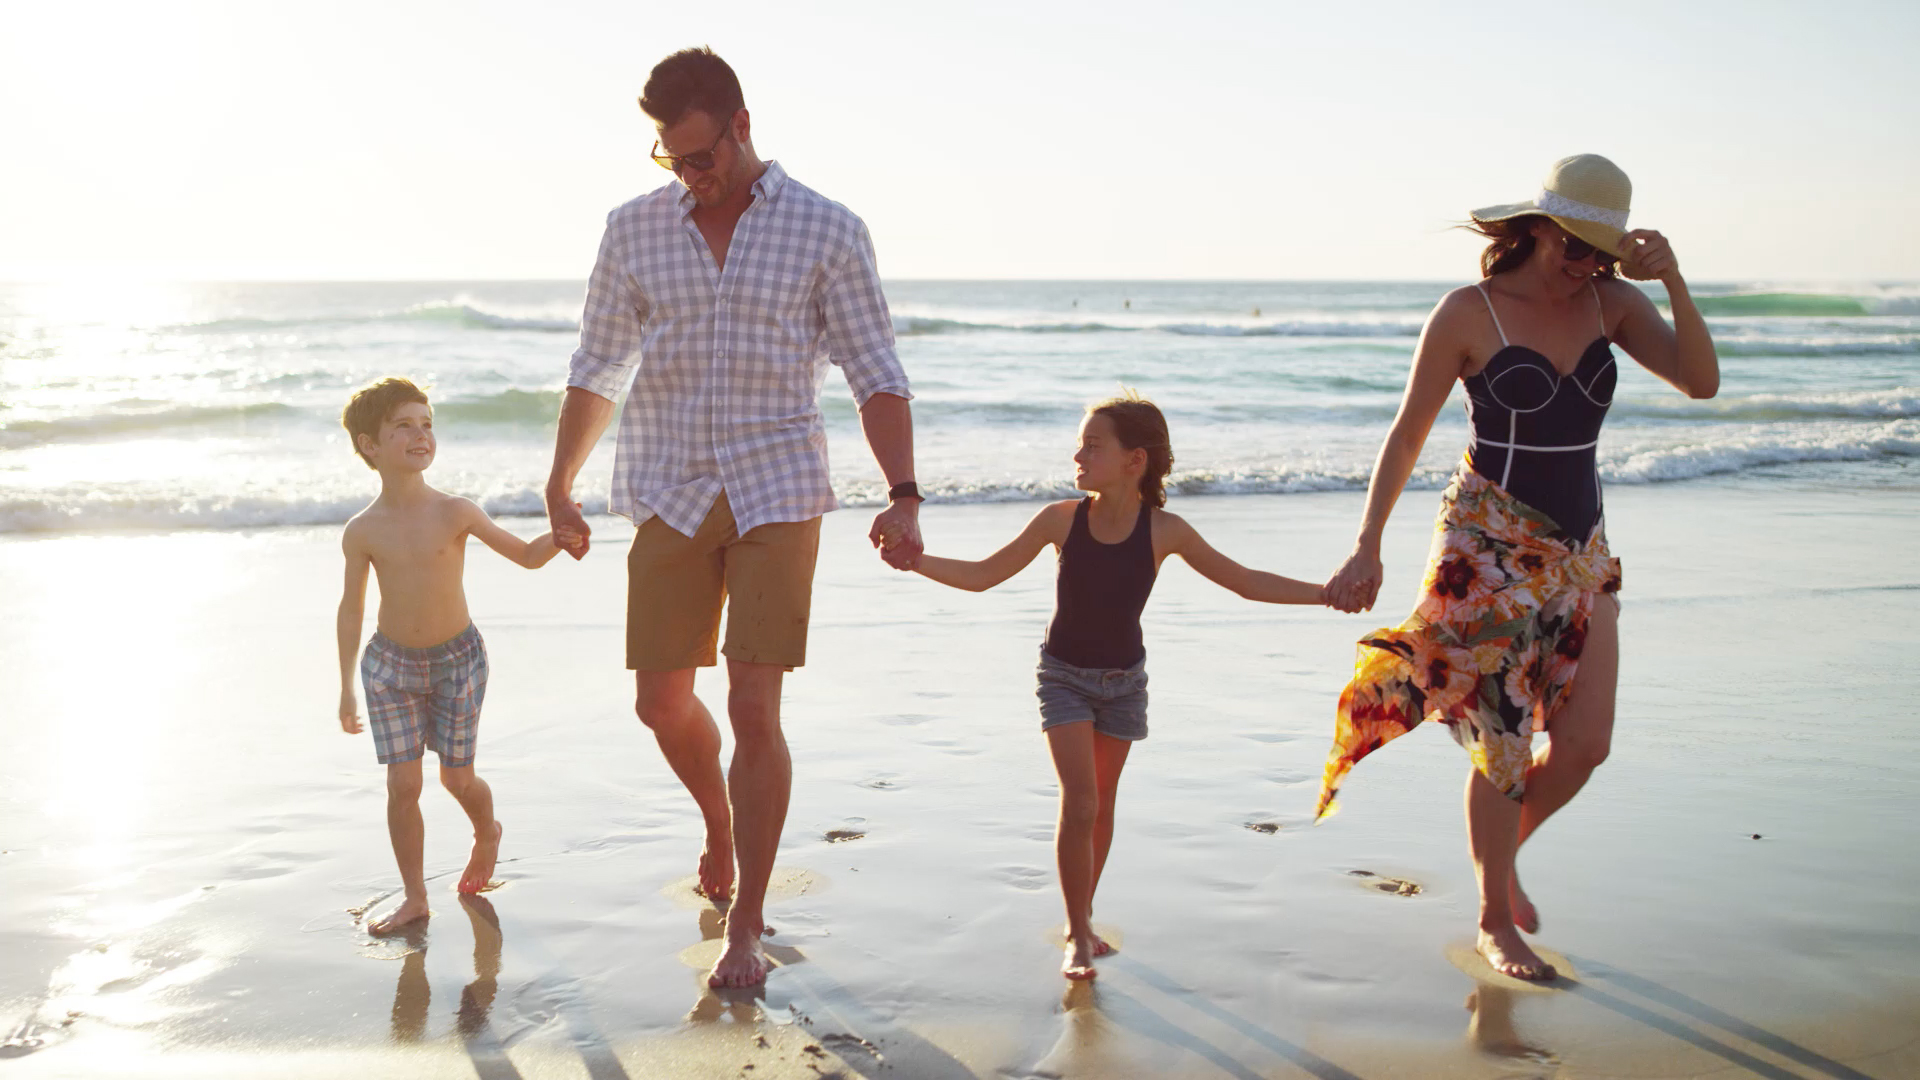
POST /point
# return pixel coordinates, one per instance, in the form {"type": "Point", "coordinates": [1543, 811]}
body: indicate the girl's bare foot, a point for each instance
{"type": "Point", "coordinates": [742, 962]}
{"type": "Point", "coordinates": [410, 910]}
{"type": "Point", "coordinates": [1524, 915]}
{"type": "Point", "coordinates": [716, 872]}
{"type": "Point", "coordinates": [1078, 964]}
{"type": "Point", "coordinates": [1508, 953]}
{"type": "Point", "coordinates": [486, 852]}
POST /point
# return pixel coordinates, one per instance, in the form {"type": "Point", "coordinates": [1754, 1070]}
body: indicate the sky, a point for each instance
{"type": "Point", "coordinates": [389, 140]}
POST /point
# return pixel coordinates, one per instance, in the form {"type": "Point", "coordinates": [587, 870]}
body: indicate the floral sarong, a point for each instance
{"type": "Point", "coordinates": [1492, 648]}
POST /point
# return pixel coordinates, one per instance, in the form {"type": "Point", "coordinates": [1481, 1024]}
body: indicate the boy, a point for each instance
{"type": "Point", "coordinates": [425, 668]}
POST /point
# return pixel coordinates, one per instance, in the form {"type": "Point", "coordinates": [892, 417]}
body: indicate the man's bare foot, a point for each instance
{"type": "Point", "coordinates": [742, 962]}
{"type": "Point", "coordinates": [1524, 915]}
{"type": "Point", "coordinates": [1508, 953]}
{"type": "Point", "coordinates": [409, 911]}
{"type": "Point", "coordinates": [716, 871]}
{"type": "Point", "coordinates": [1100, 946]}
{"type": "Point", "coordinates": [479, 872]}
{"type": "Point", "coordinates": [1078, 962]}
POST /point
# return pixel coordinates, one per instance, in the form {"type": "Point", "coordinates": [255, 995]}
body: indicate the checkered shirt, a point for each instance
{"type": "Point", "coordinates": [726, 366]}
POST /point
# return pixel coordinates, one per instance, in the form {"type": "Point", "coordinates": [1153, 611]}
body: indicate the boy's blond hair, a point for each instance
{"type": "Point", "coordinates": [372, 404]}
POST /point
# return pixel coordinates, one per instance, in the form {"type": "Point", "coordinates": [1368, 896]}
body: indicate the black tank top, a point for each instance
{"type": "Point", "coordinates": [1535, 432]}
{"type": "Point", "coordinates": [1098, 597]}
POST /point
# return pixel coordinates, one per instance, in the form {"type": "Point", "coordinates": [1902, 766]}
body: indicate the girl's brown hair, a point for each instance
{"type": "Point", "coordinates": [1513, 244]}
{"type": "Point", "coordinates": [1139, 425]}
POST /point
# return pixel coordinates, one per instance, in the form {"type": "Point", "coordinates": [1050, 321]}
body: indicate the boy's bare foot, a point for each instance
{"type": "Point", "coordinates": [716, 870]}
{"type": "Point", "coordinates": [742, 962]}
{"type": "Point", "coordinates": [479, 872]}
{"type": "Point", "coordinates": [1100, 946]}
{"type": "Point", "coordinates": [409, 911]}
{"type": "Point", "coordinates": [1078, 964]}
{"type": "Point", "coordinates": [1524, 915]}
{"type": "Point", "coordinates": [1508, 953]}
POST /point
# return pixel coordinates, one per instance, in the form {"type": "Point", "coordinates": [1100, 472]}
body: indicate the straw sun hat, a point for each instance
{"type": "Point", "coordinates": [1585, 194]}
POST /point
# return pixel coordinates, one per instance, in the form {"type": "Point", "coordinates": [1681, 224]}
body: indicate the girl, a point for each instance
{"type": "Point", "coordinates": [1093, 682]}
{"type": "Point", "coordinates": [1519, 590]}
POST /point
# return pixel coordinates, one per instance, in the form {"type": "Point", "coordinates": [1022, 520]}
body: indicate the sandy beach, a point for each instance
{"type": "Point", "coordinates": [188, 837]}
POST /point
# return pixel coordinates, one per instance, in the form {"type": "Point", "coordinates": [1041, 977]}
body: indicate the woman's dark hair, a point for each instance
{"type": "Point", "coordinates": [1139, 425]}
{"type": "Point", "coordinates": [691, 79]}
{"type": "Point", "coordinates": [1513, 244]}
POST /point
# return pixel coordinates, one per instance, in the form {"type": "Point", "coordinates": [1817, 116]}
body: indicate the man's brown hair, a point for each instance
{"type": "Point", "coordinates": [691, 79]}
{"type": "Point", "coordinates": [372, 404]}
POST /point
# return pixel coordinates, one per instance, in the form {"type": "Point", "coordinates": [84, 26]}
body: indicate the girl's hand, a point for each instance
{"type": "Point", "coordinates": [1357, 583]}
{"type": "Point", "coordinates": [1647, 256]}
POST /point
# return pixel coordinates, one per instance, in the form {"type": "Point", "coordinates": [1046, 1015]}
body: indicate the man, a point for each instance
{"type": "Point", "coordinates": [721, 297]}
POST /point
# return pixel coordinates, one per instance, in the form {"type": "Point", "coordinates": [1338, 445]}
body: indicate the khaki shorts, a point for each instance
{"type": "Point", "coordinates": [677, 584]}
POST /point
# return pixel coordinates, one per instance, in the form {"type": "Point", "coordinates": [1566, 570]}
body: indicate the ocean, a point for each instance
{"type": "Point", "coordinates": [216, 406]}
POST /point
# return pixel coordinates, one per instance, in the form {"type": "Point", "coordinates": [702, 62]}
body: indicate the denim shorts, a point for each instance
{"type": "Point", "coordinates": [1114, 700]}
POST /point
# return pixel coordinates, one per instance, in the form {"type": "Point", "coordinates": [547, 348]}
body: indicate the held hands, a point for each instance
{"type": "Point", "coordinates": [1357, 583]}
{"type": "Point", "coordinates": [896, 532]}
{"type": "Point", "coordinates": [1647, 256]}
{"type": "Point", "coordinates": [571, 533]}
{"type": "Point", "coordinates": [349, 713]}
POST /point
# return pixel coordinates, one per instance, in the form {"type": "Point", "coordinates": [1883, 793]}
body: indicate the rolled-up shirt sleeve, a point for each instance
{"type": "Point", "coordinates": [859, 327]}
{"type": "Point", "coordinates": [610, 324]}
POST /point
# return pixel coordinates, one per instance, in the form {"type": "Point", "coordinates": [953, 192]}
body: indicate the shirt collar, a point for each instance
{"type": "Point", "coordinates": [765, 189]}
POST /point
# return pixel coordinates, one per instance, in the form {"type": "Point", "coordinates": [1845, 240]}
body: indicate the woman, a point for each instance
{"type": "Point", "coordinates": [1518, 595]}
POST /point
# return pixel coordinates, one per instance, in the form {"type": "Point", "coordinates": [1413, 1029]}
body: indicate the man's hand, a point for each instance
{"type": "Point", "coordinates": [896, 532]}
{"type": "Point", "coordinates": [570, 530]}
{"type": "Point", "coordinates": [349, 713]}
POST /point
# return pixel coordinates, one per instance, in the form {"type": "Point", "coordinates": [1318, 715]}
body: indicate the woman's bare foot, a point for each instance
{"type": "Point", "coordinates": [1508, 953]}
{"type": "Point", "coordinates": [1524, 915]}
{"type": "Point", "coordinates": [479, 872]}
{"type": "Point", "coordinates": [742, 962]}
{"type": "Point", "coordinates": [716, 871]}
{"type": "Point", "coordinates": [1078, 964]}
{"type": "Point", "coordinates": [1100, 946]}
{"type": "Point", "coordinates": [410, 911]}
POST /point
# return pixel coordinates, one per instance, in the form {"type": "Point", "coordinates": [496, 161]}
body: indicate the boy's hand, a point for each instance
{"type": "Point", "coordinates": [349, 714]}
{"type": "Point", "coordinates": [564, 518]}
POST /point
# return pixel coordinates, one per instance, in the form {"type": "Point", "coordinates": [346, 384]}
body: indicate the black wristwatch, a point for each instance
{"type": "Point", "coordinates": [908, 490]}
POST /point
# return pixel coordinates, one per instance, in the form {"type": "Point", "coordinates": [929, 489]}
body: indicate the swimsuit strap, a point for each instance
{"type": "Point", "coordinates": [1488, 297]}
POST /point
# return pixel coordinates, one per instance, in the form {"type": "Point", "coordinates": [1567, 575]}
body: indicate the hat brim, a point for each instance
{"type": "Point", "coordinates": [1605, 237]}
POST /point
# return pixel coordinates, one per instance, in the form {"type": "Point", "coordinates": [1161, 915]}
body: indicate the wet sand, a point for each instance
{"type": "Point", "coordinates": [186, 833]}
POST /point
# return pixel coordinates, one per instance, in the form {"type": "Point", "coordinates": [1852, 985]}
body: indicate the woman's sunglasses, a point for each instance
{"type": "Point", "coordinates": [1577, 249]}
{"type": "Point", "coordinates": [698, 161]}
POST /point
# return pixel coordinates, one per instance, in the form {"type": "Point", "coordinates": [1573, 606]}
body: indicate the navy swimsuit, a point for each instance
{"type": "Point", "coordinates": [1535, 431]}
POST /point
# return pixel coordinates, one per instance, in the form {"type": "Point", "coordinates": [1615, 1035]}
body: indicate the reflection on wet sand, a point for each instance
{"type": "Point", "coordinates": [1491, 1027]}
{"type": "Point", "coordinates": [413, 993]}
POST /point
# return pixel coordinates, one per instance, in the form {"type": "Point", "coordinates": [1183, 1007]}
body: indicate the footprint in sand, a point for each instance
{"type": "Point", "coordinates": [837, 836]}
{"type": "Point", "coordinates": [882, 782]}
{"type": "Point", "coordinates": [1267, 828]}
{"type": "Point", "coordinates": [1395, 886]}
{"type": "Point", "coordinates": [787, 883]}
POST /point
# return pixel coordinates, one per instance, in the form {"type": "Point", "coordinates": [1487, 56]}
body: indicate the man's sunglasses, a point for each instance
{"type": "Point", "coordinates": [1578, 249]}
{"type": "Point", "coordinates": [698, 161]}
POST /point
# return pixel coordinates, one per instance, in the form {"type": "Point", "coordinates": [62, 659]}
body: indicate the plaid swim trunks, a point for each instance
{"type": "Point", "coordinates": [419, 698]}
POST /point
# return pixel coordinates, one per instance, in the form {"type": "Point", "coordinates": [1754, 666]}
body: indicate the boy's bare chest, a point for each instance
{"type": "Point", "coordinates": [425, 548]}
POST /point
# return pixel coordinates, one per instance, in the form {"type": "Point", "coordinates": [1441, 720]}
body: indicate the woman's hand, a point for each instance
{"type": "Point", "coordinates": [1647, 256]}
{"type": "Point", "coordinates": [1357, 583]}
